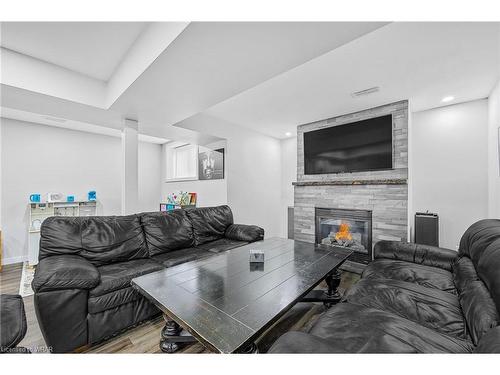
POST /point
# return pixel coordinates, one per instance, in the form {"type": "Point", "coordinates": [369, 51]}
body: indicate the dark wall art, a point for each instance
{"type": "Point", "coordinates": [210, 164]}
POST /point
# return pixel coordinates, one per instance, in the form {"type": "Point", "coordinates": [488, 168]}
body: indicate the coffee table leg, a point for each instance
{"type": "Point", "coordinates": [333, 282]}
{"type": "Point", "coordinates": [172, 336]}
{"type": "Point", "coordinates": [329, 297]}
{"type": "Point", "coordinates": [249, 349]}
{"type": "Point", "coordinates": [171, 328]}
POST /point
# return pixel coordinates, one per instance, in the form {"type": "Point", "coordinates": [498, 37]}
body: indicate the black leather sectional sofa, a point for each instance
{"type": "Point", "coordinates": [416, 299]}
{"type": "Point", "coordinates": [12, 323]}
{"type": "Point", "coordinates": [82, 282]}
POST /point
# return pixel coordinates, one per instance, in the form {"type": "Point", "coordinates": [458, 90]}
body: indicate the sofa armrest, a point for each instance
{"type": "Point", "coordinates": [241, 232]}
{"type": "Point", "coordinates": [416, 253]}
{"type": "Point", "coordinates": [65, 272]}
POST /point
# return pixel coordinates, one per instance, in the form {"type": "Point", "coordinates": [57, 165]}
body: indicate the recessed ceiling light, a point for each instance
{"type": "Point", "coordinates": [447, 99]}
{"type": "Point", "coordinates": [288, 134]}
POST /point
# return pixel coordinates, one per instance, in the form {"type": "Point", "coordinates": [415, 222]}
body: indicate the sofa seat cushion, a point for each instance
{"type": "Point", "coordinates": [13, 321]}
{"type": "Point", "coordinates": [430, 277]}
{"type": "Point", "coordinates": [118, 275]}
{"type": "Point", "coordinates": [487, 270]}
{"type": "Point", "coordinates": [432, 308]}
{"type": "Point", "coordinates": [464, 273]}
{"type": "Point", "coordinates": [109, 323]}
{"type": "Point", "coordinates": [112, 299]}
{"type": "Point", "coordinates": [176, 257]}
{"type": "Point", "coordinates": [490, 342]}
{"type": "Point", "coordinates": [479, 310]}
{"type": "Point", "coordinates": [222, 244]}
{"type": "Point", "coordinates": [357, 329]}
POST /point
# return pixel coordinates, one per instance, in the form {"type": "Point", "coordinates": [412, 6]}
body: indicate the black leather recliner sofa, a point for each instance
{"type": "Point", "coordinates": [82, 282]}
{"type": "Point", "coordinates": [416, 299]}
{"type": "Point", "coordinates": [12, 323]}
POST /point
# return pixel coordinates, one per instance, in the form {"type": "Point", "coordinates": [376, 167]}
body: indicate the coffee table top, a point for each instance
{"type": "Point", "coordinates": [226, 302]}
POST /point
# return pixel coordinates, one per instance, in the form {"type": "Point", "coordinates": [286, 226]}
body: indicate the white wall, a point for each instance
{"type": "Point", "coordinates": [288, 175]}
{"type": "Point", "coordinates": [450, 174]}
{"type": "Point", "coordinates": [209, 192]}
{"type": "Point", "coordinates": [1, 174]}
{"type": "Point", "coordinates": [254, 180]}
{"type": "Point", "coordinates": [494, 153]}
{"type": "Point", "coordinates": [40, 159]}
{"type": "Point", "coordinates": [253, 172]}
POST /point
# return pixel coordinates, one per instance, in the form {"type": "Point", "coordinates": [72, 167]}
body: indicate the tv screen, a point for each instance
{"type": "Point", "coordinates": [358, 146]}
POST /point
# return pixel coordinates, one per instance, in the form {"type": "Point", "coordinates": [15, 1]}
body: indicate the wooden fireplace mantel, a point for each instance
{"type": "Point", "coordinates": [389, 181]}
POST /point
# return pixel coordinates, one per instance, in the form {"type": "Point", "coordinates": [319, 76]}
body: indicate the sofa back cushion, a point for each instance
{"type": "Point", "coordinates": [167, 231]}
{"type": "Point", "coordinates": [477, 238]}
{"type": "Point", "coordinates": [60, 235]}
{"type": "Point", "coordinates": [112, 239]}
{"type": "Point", "coordinates": [99, 239]}
{"type": "Point", "coordinates": [210, 223]}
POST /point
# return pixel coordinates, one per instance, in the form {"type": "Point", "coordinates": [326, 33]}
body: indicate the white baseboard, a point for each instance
{"type": "Point", "coordinates": [13, 260]}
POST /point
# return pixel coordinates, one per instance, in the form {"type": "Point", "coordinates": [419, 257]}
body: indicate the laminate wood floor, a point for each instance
{"type": "Point", "coordinates": [145, 338]}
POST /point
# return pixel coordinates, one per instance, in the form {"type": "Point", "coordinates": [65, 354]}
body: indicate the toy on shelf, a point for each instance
{"type": "Point", "coordinates": [54, 197]}
{"type": "Point", "coordinates": [35, 198]}
{"type": "Point", "coordinates": [179, 200]}
{"type": "Point", "coordinates": [92, 195]}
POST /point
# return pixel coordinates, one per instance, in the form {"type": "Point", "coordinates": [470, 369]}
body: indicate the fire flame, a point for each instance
{"type": "Point", "coordinates": [344, 233]}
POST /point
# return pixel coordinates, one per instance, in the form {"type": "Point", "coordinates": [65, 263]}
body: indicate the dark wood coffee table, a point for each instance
{"type": "Point", "coordinates": [226, 303]}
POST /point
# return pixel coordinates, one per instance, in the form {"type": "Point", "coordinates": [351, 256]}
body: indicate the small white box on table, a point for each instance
{"type": "Point", "coordinates": [256, 256]}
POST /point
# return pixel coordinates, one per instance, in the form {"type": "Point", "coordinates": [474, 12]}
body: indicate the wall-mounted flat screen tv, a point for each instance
{"type": "Point", "coordinates": [358, 146]}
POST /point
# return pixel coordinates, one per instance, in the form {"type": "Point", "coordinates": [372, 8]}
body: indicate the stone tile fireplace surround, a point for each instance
{"type": "Point", "coordinates": [384, 193]}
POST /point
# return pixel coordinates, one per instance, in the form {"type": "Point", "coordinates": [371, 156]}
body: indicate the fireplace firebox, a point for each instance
{"type": "Point", "coordinates": [346, 228]}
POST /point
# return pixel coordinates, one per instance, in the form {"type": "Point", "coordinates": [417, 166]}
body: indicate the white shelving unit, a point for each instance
{"type": "Point", "coordinates": [41, 211]}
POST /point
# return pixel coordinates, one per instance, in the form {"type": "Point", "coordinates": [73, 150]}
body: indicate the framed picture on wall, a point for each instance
{"type": "Point", "coordinates": [210, 164]}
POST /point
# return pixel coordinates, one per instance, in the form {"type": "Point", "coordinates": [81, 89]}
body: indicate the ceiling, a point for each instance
{"type": "Point", "coordinates": [212, 61]}
{"type": "Point", "coordinates": [72, 125]}
{"type": "Point", "coordinates": [268, 77]}
{"type": "Point", "coordinates": [422, 62]}
{"type": "Point", "coordinates": [91, 48]}
{"type": "Point", "coordinates": [24, 105]}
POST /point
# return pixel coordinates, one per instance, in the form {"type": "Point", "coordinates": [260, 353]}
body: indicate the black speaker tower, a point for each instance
{"type": "Point", "coordinates": [427, 228]}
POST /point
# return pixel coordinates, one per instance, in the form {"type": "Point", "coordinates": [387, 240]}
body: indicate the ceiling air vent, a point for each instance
{"type": "Point", "coordinates": [54, 119]}
{"type": "Point", "coordinates": [371, 90]}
